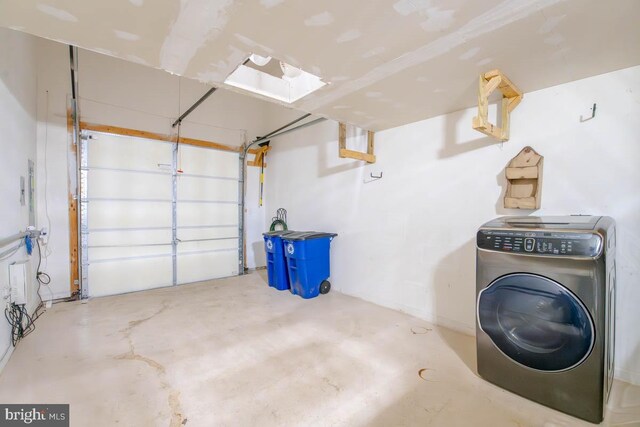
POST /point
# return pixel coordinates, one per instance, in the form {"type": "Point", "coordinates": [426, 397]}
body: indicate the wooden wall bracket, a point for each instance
{"type": "Point", "coordinates": [259, 155]}
{"type": "Point", "coordinates": [511, 97]}
{"type": "Point", "coordinates": [524, 180]}
{"type": "Point", "coordinates": [368, 157]}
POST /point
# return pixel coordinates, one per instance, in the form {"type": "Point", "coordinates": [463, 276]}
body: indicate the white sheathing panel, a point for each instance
{"type": "Point", "coordinates": [112, 214]}
{"type": "Point", "coordinates": [207, 259]}
{"type": "Point", "coordinates": [207, 214]}
{"type": "Point", "coordinates": [204, 266]}
{"type": "Point", "coordinates": [208, 245]}
{"type": "Point", "coordinates": [102, 254]}
{"type": "Point", "coordinates": [207, 233]}
{"type": "Point", "coordinates": [129, 185]}
{"type": "Point", "coordinates": [128, 260]}
{"type": "Point", "coordinates": [130, 214]}
{"type": "Point", "coordinates": [193, 188]}
{"type": "Point", "coordinates": [131, 237]}
{"type": "Point", "coordinates": [203, 161]}
{"type": "Point", "coordinates": [115, 151]}
{"type": "Point", "coordinates": [109, 278]}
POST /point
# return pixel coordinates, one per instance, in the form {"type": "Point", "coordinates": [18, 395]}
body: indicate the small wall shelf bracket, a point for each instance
{"type": "Point", "coordinates": [368, 157]}
{"type": "Point", "coordinates": [259, 155]}
{"type": "Point", "coordinates": [511, 97]}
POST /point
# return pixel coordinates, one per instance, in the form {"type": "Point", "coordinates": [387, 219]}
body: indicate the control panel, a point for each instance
{"type": "Point", "coordinates": [541, 242]}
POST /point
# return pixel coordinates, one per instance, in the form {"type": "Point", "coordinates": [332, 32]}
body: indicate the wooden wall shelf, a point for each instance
{"type": "Point", "coordinates": [524, 180]}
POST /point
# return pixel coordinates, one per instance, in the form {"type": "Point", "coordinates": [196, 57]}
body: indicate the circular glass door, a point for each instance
{"type": "Point", "coordinates": [536, 322]}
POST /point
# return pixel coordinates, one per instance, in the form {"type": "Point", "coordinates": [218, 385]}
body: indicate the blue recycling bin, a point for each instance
{"type": "Point", "coordinates": [276, 262]}
{"type": "Point", "coordinates": [307, 256]}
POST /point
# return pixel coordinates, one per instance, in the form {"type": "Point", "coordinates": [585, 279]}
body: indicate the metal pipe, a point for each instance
{"type": "Point", "coordinates": [243, 168]}
{"type": "Point", "coordinates": [284, 127]}
{"type": "Point", "coordinates": [304, 125]}
{"type": "Point", "coordinates": [194, 106]}
{"type": "Point", "coordinates": [8, 240]}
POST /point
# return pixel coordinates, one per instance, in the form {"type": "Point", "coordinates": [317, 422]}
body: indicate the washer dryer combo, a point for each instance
{"type": "Point", "coordinates": [545, 290]}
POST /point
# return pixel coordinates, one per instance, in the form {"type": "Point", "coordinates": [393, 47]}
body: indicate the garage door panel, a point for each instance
{"type": "Point", "coordinates": [208, 245]}
{"type": "Point", "coordinates": [207, 213]}
{"type": "Point", "coordinates": [114, 151]}
{"type": "Point", "coordinates": [129, 237]}
{"type": "Point", "coordinates": [202, 161]}
{"type": "Point", "coordinates": [197, 188]}
{"type": "Point", "coordinates": [205, 266]}
{"type": "Point", "coordinates": [119, 214]}
{"type": "Point", "coordinates": [108, 278]}
{"type": "Point", "coordinates": [129, 214]}
{"type": "Point", "coordinates": [128, 185]}
{"type": "Point", "coordinates": [208, 233]}
{"type": "Point", "coordinates": [99, 254]}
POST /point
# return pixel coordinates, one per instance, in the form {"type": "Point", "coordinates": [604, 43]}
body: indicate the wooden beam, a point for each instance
{"type": "Point", "coordinates": [74, 240]}
{"type": "Point", "coordinates": [342, 136]}
{"type": "Point", "coordinates": [370, 136]}
{"type": "Point", "coordinates": [369, 158]}
{"type": "Point", "coordinates": [157, 136]}
{"type": "Point", "coordinates": [124, 131]}
{"type": "Point", "coordinates": [504, 120]}
{"type": "Point", "coordinates": [492, 85]}
{"type": "Point", "coordinates": [208, 144]}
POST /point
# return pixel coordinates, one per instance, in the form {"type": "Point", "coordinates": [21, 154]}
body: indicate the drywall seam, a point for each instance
{"type": "Point", "coordinates": [197, 22]}
{"type": "Point", "coordinates": [505, 13]}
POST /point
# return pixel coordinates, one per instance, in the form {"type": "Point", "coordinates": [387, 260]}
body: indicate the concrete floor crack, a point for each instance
{"type": "Point", "coordinates": [173, 398]}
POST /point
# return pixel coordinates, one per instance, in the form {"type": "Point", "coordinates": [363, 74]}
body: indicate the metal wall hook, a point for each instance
{"type": "Point", "coordinates": [593, 114]}
{"type": "Point", "coordinates": [375, 177]}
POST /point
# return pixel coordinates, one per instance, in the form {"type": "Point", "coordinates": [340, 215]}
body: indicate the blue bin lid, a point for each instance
{"type": "Point", "coordinates": [307, 235]}
{"type": "Point", "coordinates": [277, 233]}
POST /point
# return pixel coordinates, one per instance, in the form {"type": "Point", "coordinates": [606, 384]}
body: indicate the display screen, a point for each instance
{"type": "Point", "coordinates": [540, 242]}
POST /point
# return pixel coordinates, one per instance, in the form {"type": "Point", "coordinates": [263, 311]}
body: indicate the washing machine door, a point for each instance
{"type": "Point", "coordinates": [536, 322]}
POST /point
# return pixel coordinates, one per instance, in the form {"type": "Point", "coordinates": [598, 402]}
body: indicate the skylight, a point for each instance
{"type": "Point", "coordinates": [273, 78]}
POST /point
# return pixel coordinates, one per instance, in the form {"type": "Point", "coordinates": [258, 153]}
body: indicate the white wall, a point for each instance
{"type": "Point", "coordinates": [17, 146]}
{"type": "Point", "coordinates": [119, 93]}
{"type": "Point", "coordinates": [407, 241]}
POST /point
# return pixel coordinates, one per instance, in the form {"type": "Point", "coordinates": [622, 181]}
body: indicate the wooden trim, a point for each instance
{"type": "Point", "coordinates": [157, 136]}
{"type": "Point", "coordinates": [208, 144]}
{"type": "Point", "coordinates": [370, 142]}
{"type": "Point", "coordinates": [342, 136]}
{"type": "Point", "coordinates": [124, 131]}
{"type": "Point", "coordinates": [74, 241]}
{"type": "Point", "coordinates": [369, 158]}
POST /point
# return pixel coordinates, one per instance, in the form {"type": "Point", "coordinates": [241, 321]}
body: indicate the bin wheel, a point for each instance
{"type": "Point", "coordinates": [325, 287]}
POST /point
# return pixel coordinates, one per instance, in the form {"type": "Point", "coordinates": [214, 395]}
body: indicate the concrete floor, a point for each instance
{"type": "Point", "coordinates": [236, 352]}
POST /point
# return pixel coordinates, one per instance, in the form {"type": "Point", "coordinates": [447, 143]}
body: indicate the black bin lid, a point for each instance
{"type": "Point", "coordinates": [307, 235]}
{"type": "Point", "coordinates": [277, 233]}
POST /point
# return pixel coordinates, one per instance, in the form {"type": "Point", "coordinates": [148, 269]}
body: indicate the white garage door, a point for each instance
{"type": "Point", "coordinates": [146, 226]}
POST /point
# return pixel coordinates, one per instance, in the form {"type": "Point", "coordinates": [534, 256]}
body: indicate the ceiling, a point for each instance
{"type": "Point", "coordinates": [388, 62]}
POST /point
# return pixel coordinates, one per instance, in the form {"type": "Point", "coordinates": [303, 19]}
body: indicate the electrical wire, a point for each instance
{"type": "Point", "coordinates": [42, 278]}
{"type": "Point", "coordinates": [21, 323]}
